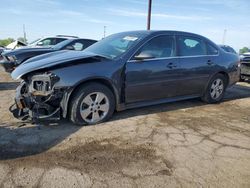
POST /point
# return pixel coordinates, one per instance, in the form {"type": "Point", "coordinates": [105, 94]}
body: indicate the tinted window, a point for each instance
{"type": "Point", "coordinates": [211, 50]}
{"type": "Point", "coordinates": [190, 46]}
{"type": "Point", "coordinates": [89, 43]}
{"type": "Point", "coordinates": [159, 47]}
{"type": "Point", "coordinates": [45, 42]}
{"type": "Point", "coordinates": [58, 40]}
{"type": "Point", "coordinates": [77, 45]}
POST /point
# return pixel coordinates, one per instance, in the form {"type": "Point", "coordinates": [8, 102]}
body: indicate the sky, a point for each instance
{"type": "Point", "coordinates": [87, 18]}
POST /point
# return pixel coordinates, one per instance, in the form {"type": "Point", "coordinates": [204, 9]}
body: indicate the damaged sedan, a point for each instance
{"type": "Point", "coordinates": [123, 71]}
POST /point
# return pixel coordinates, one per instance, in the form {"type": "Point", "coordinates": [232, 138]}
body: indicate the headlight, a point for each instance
{"type": "Point", "coordinates": [43, 84]}
{"type": "Point", "coordinates": [12, 58]}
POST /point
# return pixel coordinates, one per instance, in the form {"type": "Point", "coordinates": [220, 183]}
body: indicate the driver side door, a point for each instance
{"type": "Point", "coordinates": [154, 77]}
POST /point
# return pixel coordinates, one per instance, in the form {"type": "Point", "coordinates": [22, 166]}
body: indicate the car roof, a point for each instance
{"type": "Point", "coordinates": [174, 32]}
{"type": "Point", "coordinates": [73, 39]}
{"type": "Point", "coordinates": [59, 36]}
{"type": "Point", "coordinates": [152, 32]}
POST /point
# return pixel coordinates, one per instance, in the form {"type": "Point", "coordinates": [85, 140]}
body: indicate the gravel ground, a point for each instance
{"type": "Point", "coordinates": [182, 144]}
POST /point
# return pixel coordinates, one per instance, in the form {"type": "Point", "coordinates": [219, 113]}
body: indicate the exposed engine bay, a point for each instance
{"type": "Point", "coordinates": [37, 98]}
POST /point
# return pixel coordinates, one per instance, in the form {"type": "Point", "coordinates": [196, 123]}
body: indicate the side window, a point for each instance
{"type": "Point", "coordinates": [190, 46]}
{"type": "Point", "coordinates": [45, 42]}
{"type": "Point", "coordinates": [159, 47]}
{"type": "Point", "coordinates": [211, 50]}
{"type": "Point", "coordinates": [88, 43]}
{"type": "Point", "coordinates": [78, 46]}
{"type": "Point", "coordinates": [58, 40]}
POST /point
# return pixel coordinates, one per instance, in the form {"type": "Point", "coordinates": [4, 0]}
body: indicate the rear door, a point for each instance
{"type": "Point", "coordinates": [195, 64]}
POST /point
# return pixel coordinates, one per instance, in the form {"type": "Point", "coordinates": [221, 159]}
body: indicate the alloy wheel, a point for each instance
{"type": "Point", "coordinates": [217, 88]}
{"type": "Point", "coordinates": [94, 107]}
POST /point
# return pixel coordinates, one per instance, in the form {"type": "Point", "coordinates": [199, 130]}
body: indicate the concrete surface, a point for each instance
{"type": "Point", "coordinates": [182, 144]}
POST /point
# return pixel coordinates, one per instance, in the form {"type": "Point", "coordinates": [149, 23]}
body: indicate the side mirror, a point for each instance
{"type": "Point", "coordinates": [143, 56]}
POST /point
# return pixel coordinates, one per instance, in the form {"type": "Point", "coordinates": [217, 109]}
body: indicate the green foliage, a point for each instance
{"type": "Point", "coordinates": [244, 50]}
{"type": "Point", "coordinates": [5, 42]}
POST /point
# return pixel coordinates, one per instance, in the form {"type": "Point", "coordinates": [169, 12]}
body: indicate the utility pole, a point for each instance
{"type": "Point", "coordinates": [104, 31]}
{"type": "Point", "coordinates": [224, 36]}
{"type": "Point", "coordinates": [149, 14]}
{"type": "Point", "coordinates": [24, 34]}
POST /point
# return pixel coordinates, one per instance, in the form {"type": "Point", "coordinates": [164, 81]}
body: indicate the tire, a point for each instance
{"type": "Point", "coordinates": [215, 90]}
{"type": "Point", "coordinates": [92, 103]}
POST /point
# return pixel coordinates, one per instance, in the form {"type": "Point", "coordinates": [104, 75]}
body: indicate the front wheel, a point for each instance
{"type": "Point", "coordinates": [215, 90]}
{"type": "Point", "coordinates": [92, 104]}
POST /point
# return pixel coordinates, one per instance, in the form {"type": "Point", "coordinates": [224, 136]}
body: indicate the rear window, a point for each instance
{"type": "Point", "coordinates": [190, 46]}
{"type": "Point", "coordinates": [211, 50]}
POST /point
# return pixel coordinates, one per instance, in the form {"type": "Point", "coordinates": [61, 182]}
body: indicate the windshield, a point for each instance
{"type": "Point", "coordinates": [115, 45]}
{"type": "Point", "coordinates": [61, 45]}
{"type": "Point", "coordinates": [33, 42]}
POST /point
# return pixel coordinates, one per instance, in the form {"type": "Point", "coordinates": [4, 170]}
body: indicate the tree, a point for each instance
{"type": "Point", "coordinates": [5, 42]}
{"type": "Point", "coordinates": [244, 50]}
{"type": "Point", "coordinates": [21, 39]}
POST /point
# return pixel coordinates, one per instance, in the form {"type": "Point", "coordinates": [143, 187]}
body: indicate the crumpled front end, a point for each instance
{"type": "Point", "coordinates": [36, 98]}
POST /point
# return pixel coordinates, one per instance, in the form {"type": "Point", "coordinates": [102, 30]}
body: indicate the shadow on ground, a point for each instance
{"type": "Point", "coordinates": [8, 85]}
{"type": "Point", "coordinates": [19, 140]}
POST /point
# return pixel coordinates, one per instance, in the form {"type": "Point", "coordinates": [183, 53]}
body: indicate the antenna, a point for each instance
{"type": "Point", "coordinates": [104, 31]}
{"type": "Point", "coordinates": [224, 37]}
{"type": "Point", "coordinates": [24, 34]}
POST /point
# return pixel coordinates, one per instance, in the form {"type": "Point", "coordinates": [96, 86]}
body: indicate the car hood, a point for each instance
{"type": "Point", "coordinates": [25, 50]}
{"type": "Point", "coordinates": [49, 60]}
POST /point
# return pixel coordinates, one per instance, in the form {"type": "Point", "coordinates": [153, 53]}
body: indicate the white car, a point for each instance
{"type": "Point", "coordinates": [50, 41]}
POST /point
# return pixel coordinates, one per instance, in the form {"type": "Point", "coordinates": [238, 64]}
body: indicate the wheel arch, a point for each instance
{"type": "Point", "coordinates": [104, 81]}
{"type": "Point", "coordinates": [224, 73]}
{"type": "Point", "coordinates": [218, 72]}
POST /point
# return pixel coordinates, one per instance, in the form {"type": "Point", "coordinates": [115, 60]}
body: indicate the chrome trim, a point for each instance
{"type": "Point", "coordinates": [174, 57]}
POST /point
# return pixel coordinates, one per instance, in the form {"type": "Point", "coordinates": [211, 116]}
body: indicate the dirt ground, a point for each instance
{"type": "Point", "coordinates": [181, 144]}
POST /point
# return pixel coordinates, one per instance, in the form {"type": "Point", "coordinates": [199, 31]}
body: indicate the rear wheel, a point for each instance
{"type": "Point", "coordinates": [215, 90]}
{"type": "Point", "coordinates": [92, 103]}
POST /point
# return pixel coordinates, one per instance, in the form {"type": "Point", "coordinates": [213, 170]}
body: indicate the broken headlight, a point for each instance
{"type": "Point", "coordinates": [11, 58]}
{"type": "Point", "coordinates": [43, 84]}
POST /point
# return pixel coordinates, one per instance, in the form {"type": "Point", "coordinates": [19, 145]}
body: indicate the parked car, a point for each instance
{"type": "Point", "coordinates": [228, 49]}
{"type": "Point", "coordinates": [245, 67]}
{"type": "Point", "coordinates": [51, 41]}
{"type": "Point", "coordinates": [14, 58]}
{"type": "Point", "coordinates": [15, 45]}
{"type": "Point", "coordinates": [1, 51]}
{"type": "Point", "coordinates": [125, 70]}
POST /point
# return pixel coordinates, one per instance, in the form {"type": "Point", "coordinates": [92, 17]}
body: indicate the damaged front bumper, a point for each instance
{"type": "Point", "coordinates": [37, 99]}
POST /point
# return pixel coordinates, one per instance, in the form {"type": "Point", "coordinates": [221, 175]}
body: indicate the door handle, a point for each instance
{"type": "Point", "coordinates": [209, 62]}
{"type": "Point", "coordinates": [171, 65]}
